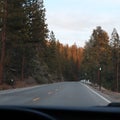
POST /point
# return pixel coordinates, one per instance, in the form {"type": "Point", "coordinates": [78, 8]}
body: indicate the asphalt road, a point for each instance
{"type": "Point", "coordinates": [57, 94]}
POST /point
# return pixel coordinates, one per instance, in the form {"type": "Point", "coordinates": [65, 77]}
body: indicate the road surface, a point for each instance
{"type": "Point", "coordinates": [57, 94]}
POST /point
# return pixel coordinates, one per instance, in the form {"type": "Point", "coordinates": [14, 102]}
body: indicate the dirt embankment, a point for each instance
{"type": "Point", "coordinates": [114, 95]}
{"type": "Point", "coordinates": [19, 84]}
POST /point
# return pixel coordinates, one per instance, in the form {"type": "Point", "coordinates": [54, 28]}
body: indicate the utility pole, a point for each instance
{"type": "Point", "coordinates": [3, 40]}
{"type": "Point", "coordinates": [117, 75]}
{"type": "Point", "coordinates": [99, 78]}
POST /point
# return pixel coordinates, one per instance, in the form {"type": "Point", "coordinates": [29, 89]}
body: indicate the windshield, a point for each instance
{"type": "Point", "coordinates": [59, 53]}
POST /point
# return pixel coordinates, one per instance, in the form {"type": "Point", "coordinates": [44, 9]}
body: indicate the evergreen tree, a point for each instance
{"type": "Point", "coordinates": [15, 49]}
{"type": "Point", "coordinates": [3, 22]}
{"type": "Point", "coordinates": [24, 37]}
{"type": "Point", "coordinates": [96, 56]}
{"type": "Point", "coordinates": [115, 53]}
{"type": "Point", "coordinates": [52, 61]}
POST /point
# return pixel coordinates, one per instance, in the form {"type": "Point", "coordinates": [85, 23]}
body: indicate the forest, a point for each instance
{"type": "Point", "coordinates": [101, 61]}
{"type": "Point", "coordinates": [29, 49]}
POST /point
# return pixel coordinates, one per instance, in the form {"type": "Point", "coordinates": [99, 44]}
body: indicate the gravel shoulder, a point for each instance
{"type": "Point", "coordinates": [113, 96]}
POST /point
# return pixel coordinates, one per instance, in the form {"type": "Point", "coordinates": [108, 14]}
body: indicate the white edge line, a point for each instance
{"type": "Point", "coordinates": [97, 93]}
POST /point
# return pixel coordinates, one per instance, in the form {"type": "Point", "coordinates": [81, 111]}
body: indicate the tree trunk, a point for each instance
{"type": "Point", "coordinates": [2, 57]}
{"type": "Point", "coordinates": [3, 44]}
{"type": "Point", "coordinates": [22, 71]}
{"type": "Point", "coordinates": [99, 78]}
{"type": "Point", "coordinates": [117, 68]}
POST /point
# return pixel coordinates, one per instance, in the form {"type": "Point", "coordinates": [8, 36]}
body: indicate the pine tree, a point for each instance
{"type": "Point", "coordinates": [52, 61]}
{"type": "Point", "coordinates": [115, 49]}
{"type": "Point", "coordinates": [25, 33]}
{"type": "Point", "coordinates": [3, 22]}
{"type": "Point", "coordinates": [96, 55]}
{"type": "Point", "coordinates": [16, 25]}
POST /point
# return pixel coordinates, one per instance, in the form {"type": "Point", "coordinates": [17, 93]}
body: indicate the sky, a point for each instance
{"type": "Point", "coordinates": [73, 21]}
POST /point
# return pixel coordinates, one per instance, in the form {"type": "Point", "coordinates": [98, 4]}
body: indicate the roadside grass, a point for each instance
{"type": "Point", "coordinates": [19, 84]}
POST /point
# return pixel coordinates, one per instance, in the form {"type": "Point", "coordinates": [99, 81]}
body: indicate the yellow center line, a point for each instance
{"type": "Point", "coordinates": [56, 89]}
{"type": "Point", "coordinates": [36, 99]}
{"type": "Point", "coordinates": [50, 92]}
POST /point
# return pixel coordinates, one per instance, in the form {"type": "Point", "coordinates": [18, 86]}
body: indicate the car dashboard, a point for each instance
{"type": "Point", "coordinates": [110, 112]}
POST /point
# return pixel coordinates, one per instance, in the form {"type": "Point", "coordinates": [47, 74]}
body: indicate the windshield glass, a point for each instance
{"type": "Point", "coordinates": [59, 53]}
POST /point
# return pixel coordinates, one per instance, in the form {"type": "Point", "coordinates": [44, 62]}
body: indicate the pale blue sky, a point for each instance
{"type": "Point", "coordinates": [74, 20]}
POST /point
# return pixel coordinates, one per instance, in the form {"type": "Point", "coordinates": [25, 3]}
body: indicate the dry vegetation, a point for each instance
{"type": "Point", "coordinates": [19, 84]}
{"type": "Point", "coordinates": [115, 96]}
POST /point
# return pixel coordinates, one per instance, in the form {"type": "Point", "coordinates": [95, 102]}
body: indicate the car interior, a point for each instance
{"type": "Point", "coordinates": [109, 112]}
